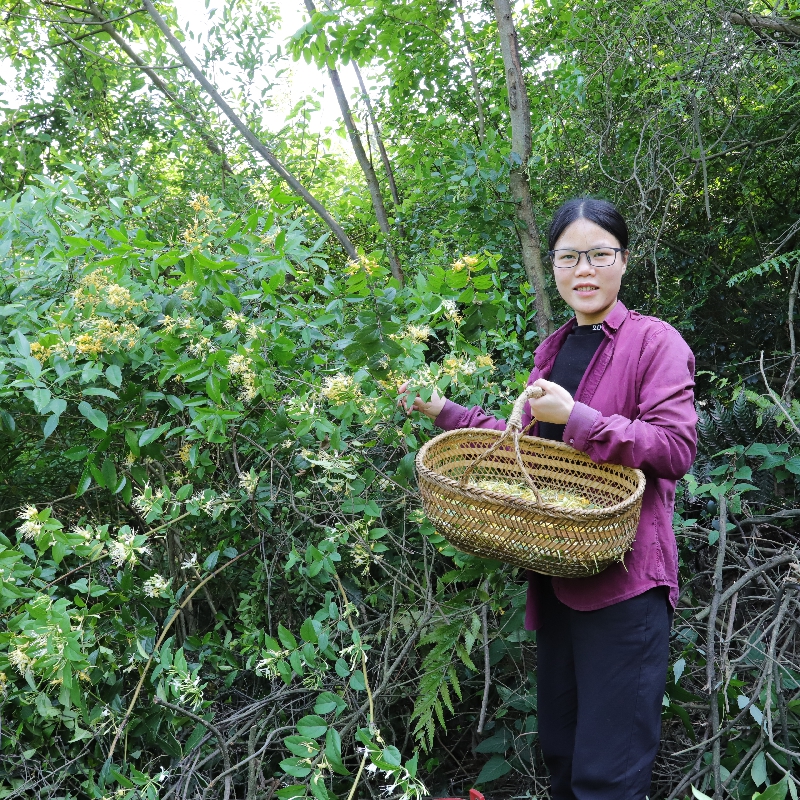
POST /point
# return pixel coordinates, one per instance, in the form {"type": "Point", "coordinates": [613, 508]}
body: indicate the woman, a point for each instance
{"type": "Point", "coordinates": [619, 386]}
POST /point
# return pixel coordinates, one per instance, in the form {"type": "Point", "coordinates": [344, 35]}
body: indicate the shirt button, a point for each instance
{"type": "Point", "coordinates": [572, 441]}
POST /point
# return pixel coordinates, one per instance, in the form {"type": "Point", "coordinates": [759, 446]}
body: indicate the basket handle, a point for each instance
{"type": "Point", "coordinates": [513, 427]}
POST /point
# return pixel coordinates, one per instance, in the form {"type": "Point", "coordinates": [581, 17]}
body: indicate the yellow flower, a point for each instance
{"type": "Point", "coordinates": [269, 239]}
{"type": "Point", "coordinates": [184, 452]}
{"type": "Point", "coordinates": [484, 361]}
{"type": "Point", "coordinates": [238, 364]}
{"type": "Point", "coordinates": [190, 235]}
{"type": "Point", "coordinates": [233, 321]}
{"type": "Point", "coordinates": [340, 388]}
{"type": "Point", "coordinates": [450, 310]}
{"type": "Point", "coordinates": [418, 333]}
{"type": "Point", "coordinates": [154, 586]}
{"type": "Point", "coordinates": [249, 389]}
{"type": "Point", "coordinates": [455, 367]}
{"type": "Point", "coordinates": [119, 297]}
{"type": "Point", "coordinates": [186, 291]}
{"type": "Point", "coordinates": [39, 352]}
{"type": "Point", "coordinates": [200, 202]}
{"type": "Point", "coordinates": [363, 264]}
{"type": "Point", "coordinates": [19, 659]}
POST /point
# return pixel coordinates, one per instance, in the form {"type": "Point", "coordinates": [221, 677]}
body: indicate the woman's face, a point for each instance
{"type": "Point", "coordinates": [590, 291]}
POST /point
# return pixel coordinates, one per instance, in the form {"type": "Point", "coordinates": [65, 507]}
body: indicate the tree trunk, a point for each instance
{"type": "Point", "coordinates": [387, 166]}
{"type": "Point", "coordinates": [519, 109]}
{"type": "Point", "coordinates": [249, 136]}
{"type": "Point", "coordinates": [363, 160]}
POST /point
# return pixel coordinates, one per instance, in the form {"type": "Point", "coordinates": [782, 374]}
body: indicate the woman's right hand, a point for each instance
{"type": "Point", "coordinates": [431, 409]}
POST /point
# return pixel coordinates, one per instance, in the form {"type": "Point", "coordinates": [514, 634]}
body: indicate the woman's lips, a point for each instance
{"type": "Point", "coordinates": [585, 288]}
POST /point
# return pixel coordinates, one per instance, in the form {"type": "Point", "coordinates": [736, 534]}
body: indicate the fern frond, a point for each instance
{"type": "Point", "coordinates": [451, 673]}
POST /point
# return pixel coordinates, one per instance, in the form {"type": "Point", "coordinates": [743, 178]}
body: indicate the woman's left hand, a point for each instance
{"type": "Point", "coordinates": [555, 405]}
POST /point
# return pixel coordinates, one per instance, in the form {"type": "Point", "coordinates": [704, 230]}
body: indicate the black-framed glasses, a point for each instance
{"type": "Point", "coordinates": [597, 257]}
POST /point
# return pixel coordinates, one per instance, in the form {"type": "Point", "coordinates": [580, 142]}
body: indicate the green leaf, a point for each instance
{"type": "Point", "coordinates": [151, 434]}
{"type": "Point", "coordinates": [50, 425]}
{"type": "Point", "coordinates": [357, 681]}
{"type": "Point", "coordinates": [291, 792]}
{"type": "Point", "coordinates": [775, 792]}
{"type": "Point", "coordinates": [96, 391]}
{"type": "Point", "coordinates": [758, 772]}
{"type": "Point", "coordinates": [328, 702]}
{"type": "Point", "coordinates": [287, 640]}
{"type": "Point", "coordinates": [318, 789]}
{"type": "Point", "coordinates": [114, 375]}
{"type": "Point", "coordinates": [109, 473]}
{"type": "Point", "coordinates": [297, 768]}
{"type": "Point", "coordinates": [498, 743]}
{"type": "Point", "coordinates": [333, 751]}
{"type": "Point", "coordinates": [77, 453]}
{"type": "Point", "coordinates": [211, 561]}
{"type": "Point", "coordinates": [493, 769]}
{"type": "Point", "coordinates": [312, 725]}
{"type": "Point", "coordinates": [793, 465]}
{"type": "Point", "coordinates": [94, 415]}
{"type": "Point", "coordinates": [307, 631]}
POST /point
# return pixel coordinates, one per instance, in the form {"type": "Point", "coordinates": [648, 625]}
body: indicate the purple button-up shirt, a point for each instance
{"type": "Point", "coordinates": [635, 407]}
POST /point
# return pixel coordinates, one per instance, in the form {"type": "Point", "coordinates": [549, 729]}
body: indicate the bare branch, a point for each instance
{"type": "Point", "coordinates": [250, 137]}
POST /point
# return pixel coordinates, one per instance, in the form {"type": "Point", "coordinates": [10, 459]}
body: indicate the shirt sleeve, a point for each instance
{"type": "Point", "coordinates": [454, 416]}
{"type": "Point", "coordinates": [662, 439]}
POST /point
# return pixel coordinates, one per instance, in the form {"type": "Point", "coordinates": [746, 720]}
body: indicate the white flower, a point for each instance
{"type": "Point", "coordinates": [249, 481]}
{"type": "Point", "coordinates": [31, 526]}
{"type": "Point", "coordinates": [19, 659]}
{"type": "Point", "coordinates": [450, 310]}
{"type": "Point", "coordinates": [340, 388]}
{"type": "Point", "coordinates": [238, 364]}
{"type": "Point", "coordinates": [84, 533]}
{"type": "Point", "coordinates": [234, 321]}
{"type": "Point", "coordinates": [117, 553]}
{"type": "Point", "coordinates": [31, 529]}
{"type": "Point", "coordinates": [154, 586]}
{"type": "Point", "coordinates": [190, 562]}
{"type": "Point", "coordinates": [418, 333]}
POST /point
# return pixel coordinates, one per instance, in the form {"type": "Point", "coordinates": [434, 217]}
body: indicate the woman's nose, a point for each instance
{"type": "Point", "coordinates": [583, 267]}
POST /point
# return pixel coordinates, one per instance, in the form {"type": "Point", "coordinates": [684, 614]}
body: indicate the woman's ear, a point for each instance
{"type": "Point", "coordinates": [625, 261]}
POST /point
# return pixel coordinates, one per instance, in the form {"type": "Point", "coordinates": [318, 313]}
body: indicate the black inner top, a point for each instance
{"type": "Point", "coordinates": [571, 362]}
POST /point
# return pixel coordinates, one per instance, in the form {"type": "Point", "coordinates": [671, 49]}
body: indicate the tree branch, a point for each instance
{"type": "Point", "coordinates": [521, 137]}
{"type": "Point", "coordinates": [756, 22]}
{"type": "Point", "coordinates": [255, 143]}
{"type": "Point", "coordinates": [366, 165]}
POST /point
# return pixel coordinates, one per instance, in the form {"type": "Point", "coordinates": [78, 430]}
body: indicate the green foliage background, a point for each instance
{"type": "Point", "coordinates": [216, 579]}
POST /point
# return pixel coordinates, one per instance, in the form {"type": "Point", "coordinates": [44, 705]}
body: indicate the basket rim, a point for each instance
{"type": "Point", "coordinates": [518, 502]}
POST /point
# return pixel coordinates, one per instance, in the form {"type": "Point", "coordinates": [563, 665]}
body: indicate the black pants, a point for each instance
{"type": "Point", "coordinates": [601, 678]}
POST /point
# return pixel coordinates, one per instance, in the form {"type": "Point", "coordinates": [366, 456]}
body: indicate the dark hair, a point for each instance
{"type": "Point", "coordinates": [601, 212]}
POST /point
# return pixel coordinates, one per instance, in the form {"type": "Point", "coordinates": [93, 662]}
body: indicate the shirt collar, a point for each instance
{"type": "Point", "coordinates": [616, 316]}
{"type": "Point", "coordinates": [552, 344]}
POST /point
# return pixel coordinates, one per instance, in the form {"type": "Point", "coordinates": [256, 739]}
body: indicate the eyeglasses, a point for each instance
{"type": "Point", "coordinates": [597, 257]}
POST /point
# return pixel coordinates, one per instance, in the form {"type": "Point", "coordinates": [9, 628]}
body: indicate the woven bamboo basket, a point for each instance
{"type": "Point", "coordinates": [532, 534]}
